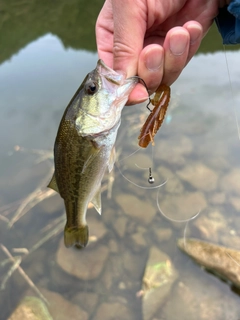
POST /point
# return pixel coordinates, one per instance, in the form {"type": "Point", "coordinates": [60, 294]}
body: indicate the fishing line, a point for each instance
{"type": "Point", "coordinates": [144, 83]}
{"type": "Point", "coordinates": [233, 259]}
{"type": "Point", "coordinates": [235, 114]}
{"type": "Point", "coordinates": [129, 155]}
{"type": "Point", "coordinates": [137, 185]}
{"type": "Point", "coordinates": [231, 90]}
{"type": "Point", "coordinates": [184, 235]}
{"type": "Point", "coordinates": [185, 229]}
{"type": "Point", "coordinates": [142, 168]}
{"type": "Point", "coordinates": [150, 179]}
{"type": "Point", "coordinates": [175, 220]}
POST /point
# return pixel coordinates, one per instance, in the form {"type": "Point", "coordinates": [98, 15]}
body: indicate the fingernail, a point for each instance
{"type": "Point", "coordinates": [154, 62]}
{"type": "Point", "coordinates": [178, 44]}
{"type": "Point", "coordinates": [195, 34]}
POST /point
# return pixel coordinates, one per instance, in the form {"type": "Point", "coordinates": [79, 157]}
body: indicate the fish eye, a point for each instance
{"type": "Point", "coordinates": [91, 87]}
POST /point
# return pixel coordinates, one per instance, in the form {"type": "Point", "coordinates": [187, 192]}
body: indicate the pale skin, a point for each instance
{"type": "Point", "coordinates": [154, 39]}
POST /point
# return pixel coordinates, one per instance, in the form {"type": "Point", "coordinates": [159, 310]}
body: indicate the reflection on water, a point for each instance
{"type": "Point", "coordinates": [132, 269]}
{"type": "Point", "coordinates": [24, 21]}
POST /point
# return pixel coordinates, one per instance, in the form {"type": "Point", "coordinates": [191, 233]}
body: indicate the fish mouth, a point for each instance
{"type": "Point", "coordinates": [115, 82]}
{"type": "Point", "coordinates": [110, 75]}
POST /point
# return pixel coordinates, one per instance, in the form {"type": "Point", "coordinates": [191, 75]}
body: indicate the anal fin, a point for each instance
{"type": "Point", "coordinates": [112, 159]}
{"type": "Point", "coordinates": [96, 200]}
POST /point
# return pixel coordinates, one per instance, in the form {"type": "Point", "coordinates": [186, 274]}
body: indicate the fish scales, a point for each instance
{"type": "Point", "coordinates": [84, 146]}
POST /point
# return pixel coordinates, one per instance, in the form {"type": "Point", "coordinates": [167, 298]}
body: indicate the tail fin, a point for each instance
{"type": "Point", "coordinates": [77, 236]}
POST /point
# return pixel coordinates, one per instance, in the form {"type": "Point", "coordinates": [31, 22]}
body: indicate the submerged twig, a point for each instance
{"type": "Point", "coordinates": [17, 261]}
{"type": "Point", "coordinates": [16, 266]}
{"type": "Point", "coordinates": [4, 219]}
{"type": "Point", "coordinates": [52, 233]}
{"type": "Point", "coordinates": [43, 154]}
{"type": "Point", "coordinates": [33, 199]}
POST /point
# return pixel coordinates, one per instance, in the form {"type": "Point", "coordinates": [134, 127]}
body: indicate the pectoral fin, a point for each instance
{"type": "Point", "coordinates": [92, 155]}
{"type": "Point", "coordinates": [112, 159]}
{"type": "Point", "coordinates": [96, 200]}
{"type": "Point", "coordinates": [53, 184]}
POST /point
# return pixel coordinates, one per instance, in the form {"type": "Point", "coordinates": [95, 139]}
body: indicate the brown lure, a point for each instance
{"type": "Point", "coordinates": [155, 119]}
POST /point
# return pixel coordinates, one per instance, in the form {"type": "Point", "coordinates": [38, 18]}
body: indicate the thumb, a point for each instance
{"type": "Point", "coordinates": [129, 18]}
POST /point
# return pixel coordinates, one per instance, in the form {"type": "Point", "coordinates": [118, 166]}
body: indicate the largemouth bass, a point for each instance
{"type": "Point", "coordinates": [84, 146]}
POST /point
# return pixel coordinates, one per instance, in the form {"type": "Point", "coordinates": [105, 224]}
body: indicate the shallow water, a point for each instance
{"type": "Point", "coordinates": [197, 151]}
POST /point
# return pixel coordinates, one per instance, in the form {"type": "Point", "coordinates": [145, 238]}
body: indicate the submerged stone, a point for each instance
{"type": "Point", "coordinates": [158, 279]}
{"type": "Point", "coordinates": [136, 208]}
{"type": "Point", "coordinates": [199, 176]}
{"type": "Point", "coordinates": [31, 308]}
{"type": "Point", "coordinates": [85, 264]}
{"type": "Point", "coordinates": [220, 260]}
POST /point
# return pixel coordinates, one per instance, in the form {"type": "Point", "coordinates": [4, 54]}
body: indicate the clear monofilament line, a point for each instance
{"type": "Point", "coordinates": [231, 90]}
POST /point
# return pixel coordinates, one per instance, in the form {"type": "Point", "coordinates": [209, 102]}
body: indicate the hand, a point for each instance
{"type": "Point", "coordinates": [153, 39]}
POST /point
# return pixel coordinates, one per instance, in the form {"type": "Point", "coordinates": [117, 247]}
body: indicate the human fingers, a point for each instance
{"type": "Point", "coordinates": [180, 45]}
{"type": "Point", "coordinates": [176, 48]}
{"type": "Point", "coordinates": [195, 31]}
{"type": "Point", "coordinates": [151, 65]}
{"type": "Point", "coordinates": [104, 33]}
{"type": "Point", "coordinates": [150, 69]}
{"type": "Point", "coordinates": [130, 19]}
{"type": "Point", "coordinates": [139, 94]}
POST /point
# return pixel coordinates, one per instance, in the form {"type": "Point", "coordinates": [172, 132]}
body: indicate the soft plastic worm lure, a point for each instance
{"type": "Point", "coordinates": [155, 119]}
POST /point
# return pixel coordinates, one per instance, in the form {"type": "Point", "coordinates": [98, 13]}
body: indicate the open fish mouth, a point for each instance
{"type": "Point", "coordinates": [115, 82]}
{"type": "Point", "coordinates": [109, 74]}
{"type": "Point", "coordinates": [118, 78]}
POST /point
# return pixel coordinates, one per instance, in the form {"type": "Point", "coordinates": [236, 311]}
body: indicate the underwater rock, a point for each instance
{"type": "Point", "coordinates": [230, 183]}
{"type": "Point", "coordinates": [217, 198]}
{"type": "Point", "coordinates": [134, 264]}
{"type": "Point", "coordinates": [113, 246]}
{"type": "Point", "coordinates": [158, 279]}
{"type": "Point", "coordinates": [231, 240]}
{"type": "Point", "coordinates": [97, 228]}
{"type": "Point", "coordinates": [138, 242]}
{"type": "Point", "coordinates": [163, 234]}
{"type": "Point", "coordinates": [184, 206]}
{"type": "Point", "coordinates": [113, 311]}
{"type": "Point", "coordinates": [211, 226]}
{"type": "Point", "coordinates": [235, 202]}
{"type": "Point", "coordinates": [85, 264]}
{"type": "Point", "coordinates": [87, 300]}
{"type": "Point", "coordinates": [61, 309]}
{"type": "Point", "coordinates": [175, 149]}
{"type": "Point", "coordinates": [195, 297]}
{"type": "Point", "coordinates": [31, 308]}
{"type": "Point", "coordinates": [173, 185]}
{"type": "Point", "coordinates": [199, 176]}
{"type": "Point", "coordinates": [135, 208]}
{"type": "Point", "coordinates": [120, 226]}
{"type": "Point", "coordinates": [223, 261]}
{"type": "Point", "coordinates": [113, 271]}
